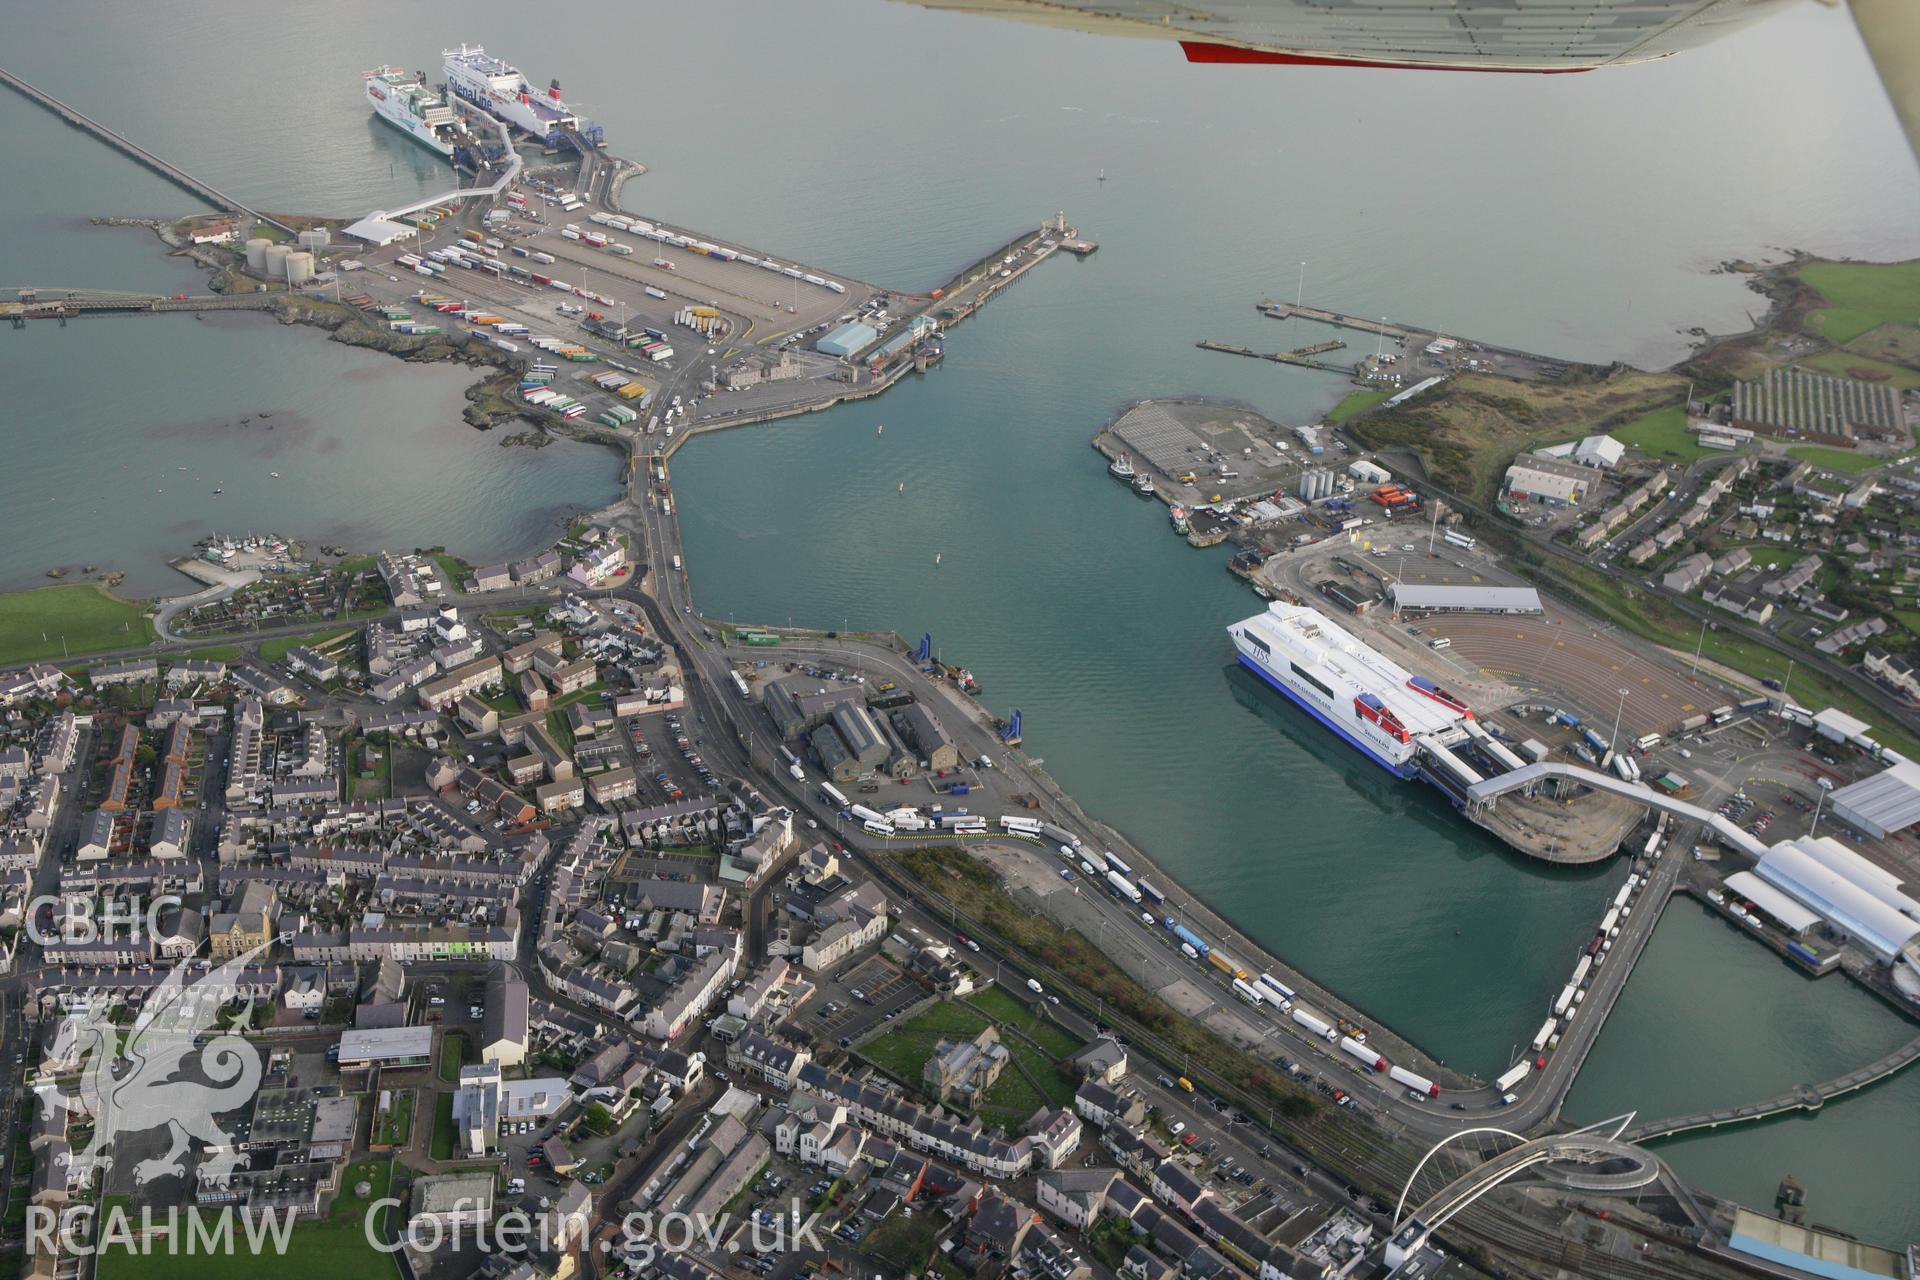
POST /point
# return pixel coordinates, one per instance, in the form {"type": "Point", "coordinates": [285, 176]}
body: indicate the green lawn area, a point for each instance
{"type": "Point", "coordinates": [593, 691]}
{"type": "Point", "coordinates": [324, 1249]}
{"type": "Point", "coordinates": [397, 1126]}
{"type": "Point", "coordinates": [1354, 402]}
{"type": "Point", "coordinates": [453, 1052]}
{"type": "Point", "coordinates": [1662, 434]}
{"type": "Point", "coordinates": [1844, 363]}
{"type": "Point", "coordinates": [1863, 295]}
{"type": "Point", "coordinates": [216, 653]}
{"type": "Point", "coordinates": [905, 1242]}
{"type": "Point", "coordinates": [378, 787]}
{"type": "Point", "coordinates": [904, 1051]}
{"type": "Point", "coordinates": [1010, 1012]}
{"type": "Point", "coordinates": [276, 649]}
{"type": "Point", "coordinates": [561, 730]}
{"type": "Point", "coordinates": [456, 569]}
{"type": "Point", "coordinates": [33, 624]}
{"type": "Point", "coordinates": [441, 1146]}
{"type": "Point", "coordinates": [1846, 460]}
{"type": "Point", "coordinates": [505, 701]}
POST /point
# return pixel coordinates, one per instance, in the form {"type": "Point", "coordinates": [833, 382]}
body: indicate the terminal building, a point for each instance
{"type": "Point", "coordinates": [1444, 599]}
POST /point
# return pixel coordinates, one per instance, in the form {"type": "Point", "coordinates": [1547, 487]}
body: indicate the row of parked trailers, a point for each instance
{"type": "Point", "coordinates": [1109, 866]}
{"type": "Point", "coordinates": [1265, 991]}
{"type": "Point", "coordinates": [1268, 992]}
{"type": "Point", "coordinates": [661, 235]}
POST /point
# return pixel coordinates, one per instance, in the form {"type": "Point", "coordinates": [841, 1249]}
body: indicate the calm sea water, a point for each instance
{"type": "Point", "coordinates": [1580, 216]}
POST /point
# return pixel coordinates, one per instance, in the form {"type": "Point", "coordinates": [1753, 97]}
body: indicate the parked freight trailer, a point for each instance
{"type": "Point", "coordinates": [1188, 936]}
{"type": "Point", "coordinates": [1226, 964]}
{"type": "Point", "coordinates": [1545, 1033]}
{"type": "Point", "coordinates": [1276, 989]}
{"type": "Point", "coordinates": [1248, 992]}
{"type": "Point", "coordinates": [1114, 861]}
{"type": "Point", "coordinates": [1565, 1000]}
{"type": "Point", "coordinates": [1059, 835]}
{"type": "Point", "coordinates": [1418, 1083]}
{"type": "Point", "coordinates": [1514, 1075]}
{"type": "Point", "coordinates": [1123, 886]}
{"type": "Point", "coordinates": [1354, 1049]}
{"type": "Point", "coordinates": [865, 814]}
{"type": "Point", "coordinates": [1311, 1021]}
{"type": "Point", "coordinates": [1152, 894]}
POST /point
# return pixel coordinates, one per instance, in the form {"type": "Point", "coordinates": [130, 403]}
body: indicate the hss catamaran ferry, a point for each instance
{"type": "Point", "coordinates": [1404, 723]}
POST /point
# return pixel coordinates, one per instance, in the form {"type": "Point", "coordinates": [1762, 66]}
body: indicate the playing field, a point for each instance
{"type": "Point", "coordinates": [326, 1249]}
{"type": "Point", "coordinates": [59, 622]}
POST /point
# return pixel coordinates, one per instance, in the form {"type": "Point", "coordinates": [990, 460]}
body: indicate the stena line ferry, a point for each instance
{"type": "Point", "coordinates": [498, 87]}
{"type": "Point", "coordinates": [399, 98]}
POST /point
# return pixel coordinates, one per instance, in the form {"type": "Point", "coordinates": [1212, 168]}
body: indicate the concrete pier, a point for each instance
{"type": "Point", "coordinates": [1279, 357]}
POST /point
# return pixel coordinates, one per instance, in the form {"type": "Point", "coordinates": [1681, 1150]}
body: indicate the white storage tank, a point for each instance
{"type": "Point", "coordinates": [276, 265]}
{"type": "Point", "coordinates": [299, 268]}
{"type": "Point", "coordinates": [314, 240]}
{"type": "Point", "coordinates": [257, 254]}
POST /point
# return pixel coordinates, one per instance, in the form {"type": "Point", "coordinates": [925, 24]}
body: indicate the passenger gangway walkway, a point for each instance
{"type": "Point", "coordinates": [1729, 832]}
{"type": "Point", "coordinates": [458, 194]}
{"type": "Point", "coordinates": [1804, 1098]}
{"type": "Point", "coordinates": [120, 142]}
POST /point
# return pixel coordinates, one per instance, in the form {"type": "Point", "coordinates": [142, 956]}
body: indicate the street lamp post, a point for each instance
{"type": "Point", "coordinates": [1698, 646]}
{"type": "Point", "coordinates": [1618, 711]}
{"type": "Point", "coordinates": [1818, 804]}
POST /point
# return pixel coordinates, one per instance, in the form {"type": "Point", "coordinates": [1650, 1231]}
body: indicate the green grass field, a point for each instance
{"type": "Point", "coordinates": [276, 649]}
{"type": "Point", "coordinates": [453, 1052]}
{"type": "Point", "coordinates": [324, 1249]}
{"type": "Point", "coordinates": [440, 1146]}
{"type": "Point", "coordinates": [54, 621]}
{"type": "Point", "coordinates": [1845, 364]}
{"type": "Point", "coordinates": [1846, 460]}
{"type": "Point", "coordinates": [1354, 402]}
{"type": "Point", "coordinates": [1010, 1012]}
{"type": "Point", "coordinates": [1662, 434]}
{"type": "Point", "coordinates": [1862, 296]}
{"type": "Point", "coordinates": [903, 1052]}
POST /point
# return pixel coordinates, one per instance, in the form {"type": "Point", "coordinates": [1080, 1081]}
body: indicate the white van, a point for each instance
{"type": "Point", "coordinates": [676, 564]}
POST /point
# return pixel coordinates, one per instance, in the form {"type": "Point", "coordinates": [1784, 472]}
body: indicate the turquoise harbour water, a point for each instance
{"type": "Point", "coordinates": [1579, 216]}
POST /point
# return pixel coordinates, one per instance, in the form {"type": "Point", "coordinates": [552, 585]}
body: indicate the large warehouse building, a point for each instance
{"type": "Point", "coordinates": [1442, 599]}
{"type": "Point", "coordinates": [1887, 802]}
{"type": "Point", "coordinates": [1852, 895]}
